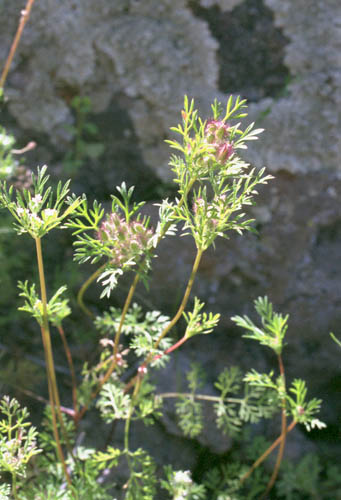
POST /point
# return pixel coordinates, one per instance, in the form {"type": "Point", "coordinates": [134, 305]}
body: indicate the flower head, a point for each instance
{"type": "Point", "coordinates": [127, 241]}
{"type": "Point", "coordinates": [217, 134]}
{"type": "Point", "coordinates": [216, 130]}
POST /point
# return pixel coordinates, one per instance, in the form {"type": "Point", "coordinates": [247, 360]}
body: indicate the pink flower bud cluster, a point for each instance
{"type": "Point", "coordinates": [198, 205]}
{"type": "Point", "coordinates": [217, 134]}
{"type": "Point", "coordinates": [213, 211]}
{"type": "Point", "coordinates": [206, 209]}
{"type": "Point", "coordinates": [126, 240]}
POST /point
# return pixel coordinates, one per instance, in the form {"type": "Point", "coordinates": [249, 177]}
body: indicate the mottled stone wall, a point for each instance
{"type": "Point", "coordinates": [154, 52]}
{"type": "Point", "coordinates": [303, 126]}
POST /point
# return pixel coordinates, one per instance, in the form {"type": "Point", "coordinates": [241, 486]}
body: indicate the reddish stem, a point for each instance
{"type": "Point", "coordinates": [283, 435]}
{"type": "Point", "coordinates": [267, 452]}
{"type": "Point", "coordinates": [23, 19]}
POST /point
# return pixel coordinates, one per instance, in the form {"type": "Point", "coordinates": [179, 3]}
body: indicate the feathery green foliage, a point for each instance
{"type": "Point", "coordinates": [214, 186]}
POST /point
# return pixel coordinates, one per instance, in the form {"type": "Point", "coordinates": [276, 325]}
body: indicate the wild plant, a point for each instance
{"type": "Point", "coordinates": [214, 186]}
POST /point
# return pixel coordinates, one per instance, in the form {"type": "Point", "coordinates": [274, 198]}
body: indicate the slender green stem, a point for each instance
{"type": "Point", "coordinates": [113, 363]}
{"type": "Point", "coordinates": [23, 19]}
{"type": "Point", "coordinates": [175, 319]}
{"type": "Point", "coordinates": [127, 425]}
{"type": "Point", "coordinates": [14, 486]}
{"type": "Point", "coordinates": [126, 306]}
{"type": "Point", "coordinates": [60, 453]}
{"type": "Point", "coordinates": [182, 305]}
{"type": "Point", "coordinates": [71, 367]}
{"type": "Point", "coordinates": [267, 452]}
{"type": "Point", "coordinates": [283, 434]}
{"type": "Point", "coordinates": [51, 374]}
{"type": "Point", "coordinates": [124, 312]}
{"type": "Point", "coordinates": [46, 330]}
{"type": "Point", "coordinates": [83, 289]}
{"type": "Point", "coordinates": [202, 397]}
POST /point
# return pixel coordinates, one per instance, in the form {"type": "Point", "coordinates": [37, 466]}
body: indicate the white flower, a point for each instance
{"type": "Point", "coordinates": [22, 211]}
{"type": "Point", "coordinates": [49, 212]}
{"type": "Point", "coordinates": [35, 202]}
{"type": "Point", "coordinates": [182, 477]}
{"type": "Point", "coordinates": [5, 140]}
{"type": "Point", "coordinates": [35, 221]}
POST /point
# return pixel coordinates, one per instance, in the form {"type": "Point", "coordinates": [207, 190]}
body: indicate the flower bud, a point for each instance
{"type": "Point", "coordinates": [224, 152]}
{"type": "Point", "coordinates": [126, 240]}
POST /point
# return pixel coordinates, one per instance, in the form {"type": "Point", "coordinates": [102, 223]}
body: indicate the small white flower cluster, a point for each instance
{"type": "Point", "coordinates": [181, 482]}
{"type": "Point", "coordinates": [181, 476]}
{"type": "Point", "coordinates": [29, 217]}
{"type": "Point", "coordinates": [35, 203]}
{"type": "Point", "coordinates": [49, 213]}
{"type": "Point", "coordinates": [6, 140]}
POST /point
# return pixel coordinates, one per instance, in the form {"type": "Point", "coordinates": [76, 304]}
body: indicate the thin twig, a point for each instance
{"type": "Point", "coordinates": [23, 20]}
{"type": "Point", "coordinates": [71, 367]}
{"type": "Point", "coordinates": [84, 287]}
{"type": "Point", "coordinates": [267, 452]}
{"type": "Point", "coordinates": [170, 325]}
{"type": "Point", "coordinates": [202, 397]}
{"type": "Point", "coordinates": [283, 435]}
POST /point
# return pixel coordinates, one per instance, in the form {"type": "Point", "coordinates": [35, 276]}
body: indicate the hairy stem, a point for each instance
{"type": "Point", "coordinates": [23, 19]}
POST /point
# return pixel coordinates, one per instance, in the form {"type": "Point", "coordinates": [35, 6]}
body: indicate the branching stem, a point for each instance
{"type": "Point", "coordinates": [283, 435]}
{"type": "Point", "coordinates": [175, 319]}
{"type": "Point", "coordinates": [182, 305]}
{"type": "Point", "coordinates": [83, 289]}
{"type": "Point", "coordinates": [126, 306]}
{"type": "Point", "coordinates": [267, 452]}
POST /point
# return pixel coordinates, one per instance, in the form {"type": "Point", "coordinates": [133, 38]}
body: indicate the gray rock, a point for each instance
{"type": "Point", "coordinates": [303, 125]}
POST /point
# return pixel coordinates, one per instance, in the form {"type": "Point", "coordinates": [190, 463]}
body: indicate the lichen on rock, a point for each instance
{"type": "Point", "coordinates": [302, 125]}
{"type": "Point", "coordinates": [153, 52]}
